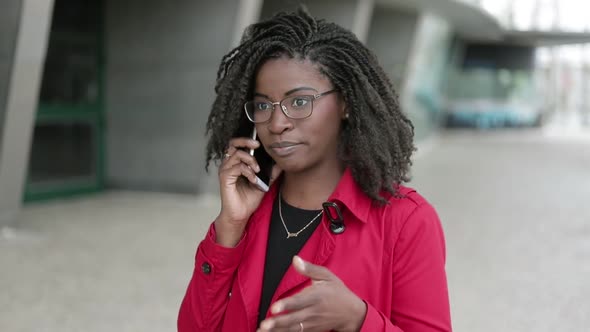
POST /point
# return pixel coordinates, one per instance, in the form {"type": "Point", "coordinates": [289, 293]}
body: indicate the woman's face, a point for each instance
{"type": "Point", "coordinates": [298, 145]}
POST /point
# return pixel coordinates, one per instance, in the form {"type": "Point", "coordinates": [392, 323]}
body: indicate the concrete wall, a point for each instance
{"type": "Point", "coordinates": [160, 74]}
{"type": "Point", "coordinates": [391, 37]}
{"type": "Point", "coordinates": [21, 101]}
{"type": "Point", "coordinates": [162, 59]}
{"type": "Point", "coordinates": [9, 19]}
{"type": "Point", "coordinates": [422, 95]}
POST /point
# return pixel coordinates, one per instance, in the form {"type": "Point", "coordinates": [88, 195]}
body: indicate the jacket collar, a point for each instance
{"type": "Point", "coordinates": [347, 193]}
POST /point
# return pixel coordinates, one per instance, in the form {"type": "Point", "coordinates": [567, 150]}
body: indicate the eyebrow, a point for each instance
{"type": "Point", "coordinates": [288, 92]}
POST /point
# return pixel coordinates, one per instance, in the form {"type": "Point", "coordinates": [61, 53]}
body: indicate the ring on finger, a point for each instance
{"type": "Point", "coordinates": [227, 155]}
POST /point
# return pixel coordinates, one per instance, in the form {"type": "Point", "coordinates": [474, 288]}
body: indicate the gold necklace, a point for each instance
{"type": "Point", "coordinates": [290, 234]}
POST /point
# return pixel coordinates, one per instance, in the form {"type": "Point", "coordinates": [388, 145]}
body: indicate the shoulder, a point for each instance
{"type": "Point", "coordinates": [408, 220]}
{"type": "Point", "coordinates": [407, 201]}
{"type": "Point", "coordinates": [408, 206]}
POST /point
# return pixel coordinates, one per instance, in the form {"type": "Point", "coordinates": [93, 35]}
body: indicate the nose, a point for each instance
{"type": "Point", "coordinates": [279, 122]}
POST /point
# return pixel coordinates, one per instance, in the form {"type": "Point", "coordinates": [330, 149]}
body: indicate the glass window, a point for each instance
{"type": "Point", "coordinates": [62, 153]}
{"type": "Point", "coordinates": [71, 75]}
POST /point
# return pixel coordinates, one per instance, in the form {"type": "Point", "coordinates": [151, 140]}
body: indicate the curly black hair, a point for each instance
{"type": "Point", "coordinates": [376, 141]}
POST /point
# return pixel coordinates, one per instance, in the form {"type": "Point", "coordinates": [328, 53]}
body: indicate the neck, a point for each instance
{"type": "Point", "coordinates": [309, 189]}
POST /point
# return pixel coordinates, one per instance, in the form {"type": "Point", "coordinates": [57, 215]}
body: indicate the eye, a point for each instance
{"type": "Point", "coordinates": [260, 106]}
{"type": "Point", "coordinates": [299, 102]}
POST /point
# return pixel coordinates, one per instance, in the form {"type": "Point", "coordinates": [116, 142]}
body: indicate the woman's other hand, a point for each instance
{"type": "Point", "coordinates": [325, 305]}
{"type": "Point", "coordinates": [239, 195]}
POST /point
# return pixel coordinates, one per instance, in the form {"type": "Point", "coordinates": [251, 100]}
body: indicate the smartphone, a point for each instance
{"type": "Point", "coordinates": [265, 162]}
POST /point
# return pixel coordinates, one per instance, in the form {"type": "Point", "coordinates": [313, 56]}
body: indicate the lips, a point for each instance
{"type": "Point", "coordinates": [284, 148]}
{"type": "Point", "coordinates": [283, 144]}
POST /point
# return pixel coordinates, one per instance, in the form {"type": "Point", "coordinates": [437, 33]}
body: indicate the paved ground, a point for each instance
{"type": "Point", "coordinates": [515, 207]}
{"type": "Point", "coordinates": [516, 211]}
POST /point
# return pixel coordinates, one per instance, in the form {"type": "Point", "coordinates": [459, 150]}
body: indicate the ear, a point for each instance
{"type": "Point", "coordinates": [343, 110]}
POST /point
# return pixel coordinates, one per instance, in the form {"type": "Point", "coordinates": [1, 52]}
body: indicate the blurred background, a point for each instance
{"type": "Point", "coordinates": [104, 196]}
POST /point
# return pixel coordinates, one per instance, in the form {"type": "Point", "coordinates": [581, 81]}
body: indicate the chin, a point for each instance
{"type": "Point", "coordinates": [289, 166]}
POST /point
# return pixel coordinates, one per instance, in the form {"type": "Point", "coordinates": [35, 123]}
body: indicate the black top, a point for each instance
{"type": "Point", "coordinates": [280, 250]}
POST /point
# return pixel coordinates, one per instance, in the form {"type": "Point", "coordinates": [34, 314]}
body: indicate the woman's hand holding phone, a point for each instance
{"type": "Point", "coordinates": [240, 195]}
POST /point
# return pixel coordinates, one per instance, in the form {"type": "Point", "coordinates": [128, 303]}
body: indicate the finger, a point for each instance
{"type": "Point", "coordinates": [231, 175]}
{"type": "Point", "coordinates": [314, 272]}
{"type": "Point", "coordinates": [247, 172]}
{"type": "Point", "coordinates": [287, 322]}
{"type": "Point", "coordinates": [241, 143]}
{"type": "Point", "coordinates": [241, 157]}
{"type": "Point", "coordinates": [301, 300]}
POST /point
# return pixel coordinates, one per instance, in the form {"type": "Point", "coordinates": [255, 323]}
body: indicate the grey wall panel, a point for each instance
{"type": "Point", "coordinates": [162, 59]}
{"type": "Point", "coordinates": [391, 38]}
{"type": "Point", "coordinates": [9, 20]}
{"type": "Point", "coordinates": [20, 103]}
{"type": "Point", "coordinates": [422, 97]}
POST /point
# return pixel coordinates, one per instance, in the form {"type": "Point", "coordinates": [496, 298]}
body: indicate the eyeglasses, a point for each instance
{"type": "Point", "coordinates": [294, 107]}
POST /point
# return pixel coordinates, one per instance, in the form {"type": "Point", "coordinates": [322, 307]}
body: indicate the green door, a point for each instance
{"type": "Point", "coordinates": [67, 152]}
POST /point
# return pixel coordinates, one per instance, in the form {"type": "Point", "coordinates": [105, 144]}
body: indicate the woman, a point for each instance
{"type": "Point", "coordinates": [373, 258]}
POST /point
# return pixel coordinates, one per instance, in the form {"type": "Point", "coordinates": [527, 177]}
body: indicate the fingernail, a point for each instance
{"type": "Point", "coordinates": [267, 324]}
{"type": "Point", "coordinates": [257, 168]}
{"type": "Point", "coordinates": [276, 308]}
{"type": "Point", "coordinates": [256, 143]}
{"type": "Point", "coordinates": [299, 262]}
{"type": "Point", "coordinates": [262, 185]}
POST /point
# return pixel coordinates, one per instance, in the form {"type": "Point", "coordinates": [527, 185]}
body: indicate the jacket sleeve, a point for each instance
{"type": "Point", "coordinates": [205, 301]}
{"type": "Point", "coordinates": [420, 301]}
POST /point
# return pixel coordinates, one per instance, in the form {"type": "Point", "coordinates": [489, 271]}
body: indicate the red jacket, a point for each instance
{"type": "Point", "coordinates": [391, 256]}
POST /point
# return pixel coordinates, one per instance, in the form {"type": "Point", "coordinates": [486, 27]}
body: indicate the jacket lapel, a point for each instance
{"type": "Point", "coordinates": [251, 269]}
{"type": "Point", "coordinates": [316, 250]}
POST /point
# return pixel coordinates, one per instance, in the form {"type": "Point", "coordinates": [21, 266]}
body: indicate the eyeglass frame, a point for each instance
{"type": "Point", "coordinates": [284, 108]}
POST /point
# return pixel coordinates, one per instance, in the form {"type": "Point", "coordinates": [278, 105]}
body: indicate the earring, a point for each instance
{"type": "Point", "coordinates": [346, 116]}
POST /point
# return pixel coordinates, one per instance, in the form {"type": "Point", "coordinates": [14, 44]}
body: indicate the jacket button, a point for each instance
{"type": "Point", "coordinates": [206, 268]}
